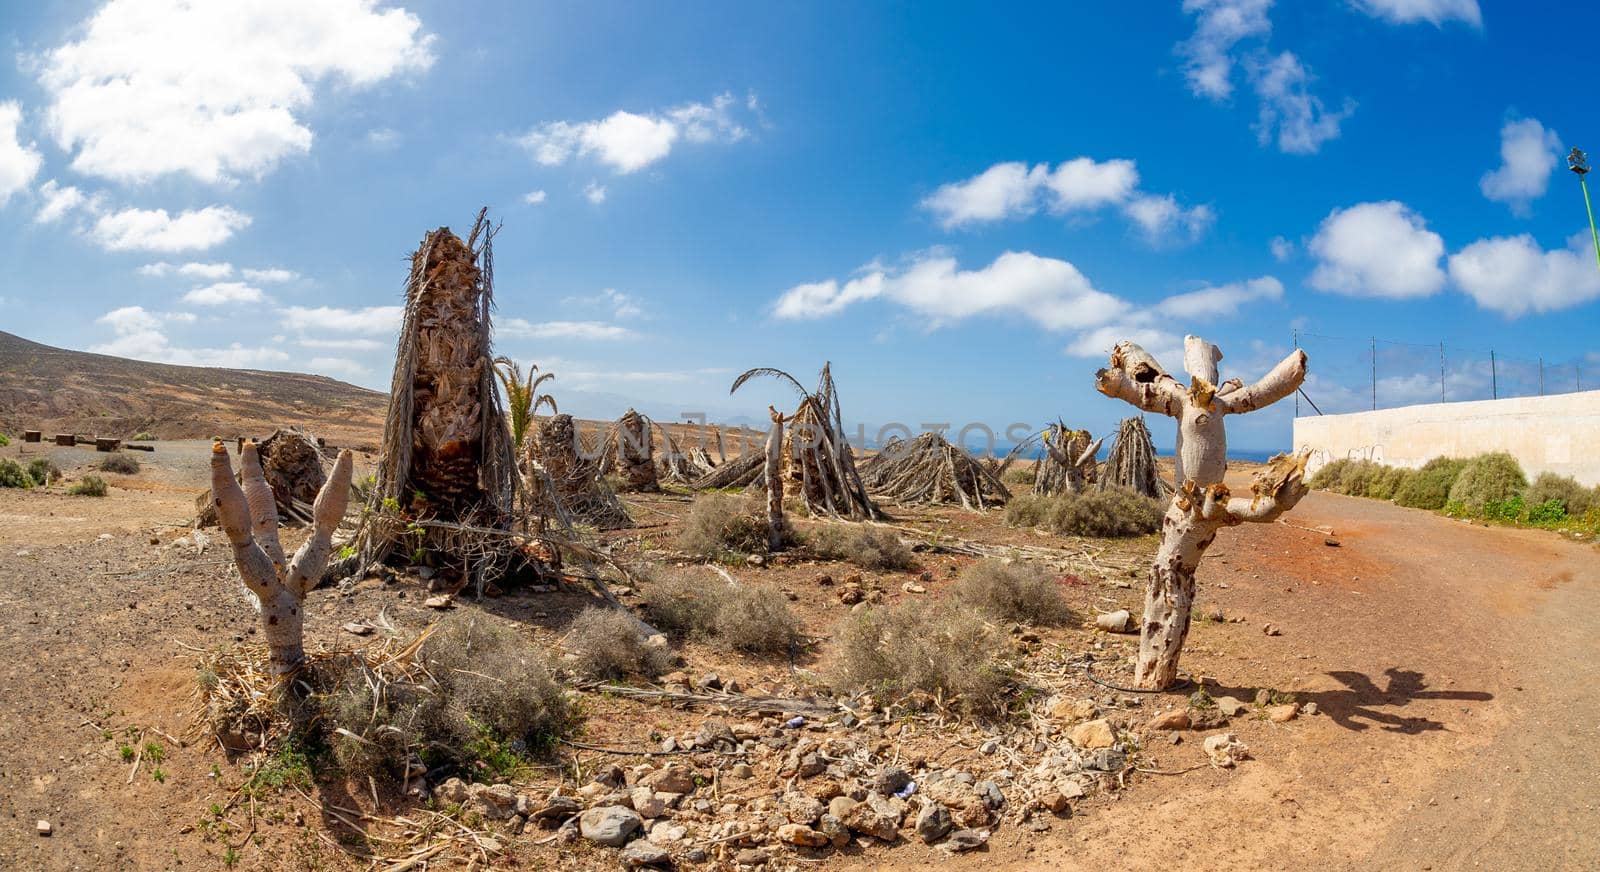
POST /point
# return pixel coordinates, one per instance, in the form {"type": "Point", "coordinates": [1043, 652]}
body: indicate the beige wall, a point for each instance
{"type": "Point", "coordinates": [1559, 434]}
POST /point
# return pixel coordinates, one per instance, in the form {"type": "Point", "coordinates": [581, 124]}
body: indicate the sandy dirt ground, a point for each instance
{"type": "Point", "coordinates": [1454, 666]}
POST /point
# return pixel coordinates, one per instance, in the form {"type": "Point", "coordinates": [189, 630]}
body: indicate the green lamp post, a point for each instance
{"type": "Point", "coordinates": [1579, 164]}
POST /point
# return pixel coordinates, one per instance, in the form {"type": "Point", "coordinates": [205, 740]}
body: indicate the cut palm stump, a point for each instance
{"type": "Point", "coordinates": [564, 477]}
{"type": "Point", "coordinates": [1202, 504]}
{"type": "Point", "coordinates": [292, 464]}
{"type": "Point", "coordinates": [248, 512]}
{"type": "Point", "coordinates": [1068, 464]}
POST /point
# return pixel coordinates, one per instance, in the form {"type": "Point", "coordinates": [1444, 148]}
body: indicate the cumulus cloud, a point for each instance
{"type": "Point", "coordinates": [1289, 111]}
{"type": "Point", "coordinates": [521, 328]}
{"type": "Point", "coordinates": [628, 142]}
{"type": "Point", "coordinates": [18, 163]}
{"type": "Point", "coordinates": [342, 344]}
{"type": "Point", "coordinates": [140, 335]}
{"type": "Point", "coordinates": [224, 293]}
{"type": "Point", "coordinates": [155, 230]}
{"type": "Point", "coordinates": [271, 274]}
{"type": "Point", "coordinates": [1528, 155]}
{"type": "Point", "coordinates": [191, 270]}
{"type": "Point", "coordinates": [1221, 300]}
{"type": "Point", "coordinates": [1219, 26]}
{"type": "Point", "coordinates": [1016, 190]}
{"type": "Point", "coordinates": [1282, 249]}
{"type": "Point", "coordinates": [1052, 293]}
{"type": "Point", "coordinates": [212, 90]}
{"type": "Point", "coordinates": [341, 365]}
{"type": "Point", "coordinates": [57, 201]}
{"type": "Point", "coordinates": [533, 198]}
{"type": "Point", "coordinates": [372, 319]}
{"type": "Point", "coordinates": [1378, 249]}
{"type": "Point", "coordinates": [1435, 12]}
{"type": "Point", "coordinates": [1513, 275]}
{"type": "Point", "coordinates": [1165, 345]}
{"type": "Point", "coordinates": [621, 305]}
{"type": "Point", "coordinates": [595, 192]}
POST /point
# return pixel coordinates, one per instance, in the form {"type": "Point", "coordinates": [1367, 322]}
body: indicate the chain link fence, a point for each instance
{"type": "Point", "coordinates": [1352, 374]}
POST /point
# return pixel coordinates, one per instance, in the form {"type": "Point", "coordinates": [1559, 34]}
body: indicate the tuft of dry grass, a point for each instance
{"type": "Point", "coordinates": [89, 486]}
{"type": "Point", "coordinates": [865, 546]}
{"type": "Point", "coordinates": [751, 619]}
{"type": "Point", "coordinates": [920, 654]}
{"type": "Point", "coordinates": [722, 524]}
{"type": "Point", "coordinates": [1018, 592]}
{"type": "Point", "coordinates": [120, 464]}
{"type": "Point", "coordinates": [1110, 513]}
{"type": "Point", "coordinates": [611, 644]}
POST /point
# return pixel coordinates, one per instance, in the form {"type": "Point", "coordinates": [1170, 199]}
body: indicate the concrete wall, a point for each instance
{"type": "Point", "coordinates": [1559, 434]}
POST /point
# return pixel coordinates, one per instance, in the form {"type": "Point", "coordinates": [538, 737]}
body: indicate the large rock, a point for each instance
{"type": "Point", "coordinates": [890, 780]}
{"type": "Point", "coordinates": [1119, 621]}
{"type": "Point", "coordinates": [1073, 710]}
{"type": "Point", "coordinates": [876, 819]}
{"type": "Point", "coordinates": [1230, 706]}
{"type": "Point", "coordinates": [670, 779]}
{"type": "Point", "coordinates": [933, 822]}
{"type": "Point", "coordinates": [1093, 734]}
{"type": "Point", "coordinates": [1173, 720]}
{"type": "Point", "coordinates": [609, 825]}
{"type": "Point", "coordinates": [648, 803]}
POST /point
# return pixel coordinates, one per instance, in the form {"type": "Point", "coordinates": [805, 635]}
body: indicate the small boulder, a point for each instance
{"type": "Point", "coordinates": [890, 780]}
{"type": "Point", "coordinates": [1230, 706]}
{"type": "Point", "coordinates": [1173, 720]}
{"type": "Point", "coordinates": [648, 803]}
{"type": "Point", "coordinates": [1118, 621]}
{"type": "Point", "coordinates": [803, 836]}
{"type": "Point", "coordinates": [802, 809]}
{"type": "Point", "coordinates": [1093, 734]}
{"type": "Point", "coordinates": [609, 825]}
{"type": "Point", "coordinates": [670, 779]}
{"type": "Point", "coordinates": [965, 840]}
{"type": "Point", "coordinates": [643, 853]}
{"type": "Point", "coordinates": [933, 822]}
{"type": "Point", "coordinates": [1072, 710]}
{"type": "Point", "coordinates": [1282, 714]}
{"type": "Point", "coordinates": [1225, 750]}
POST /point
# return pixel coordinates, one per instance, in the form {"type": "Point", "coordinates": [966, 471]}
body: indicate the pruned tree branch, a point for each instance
{"type": "Point", "coordinates": [1283, 380]}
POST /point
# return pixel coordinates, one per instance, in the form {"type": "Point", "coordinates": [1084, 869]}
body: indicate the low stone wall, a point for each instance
{"type": "Point", "coordinates": [1559, 434]}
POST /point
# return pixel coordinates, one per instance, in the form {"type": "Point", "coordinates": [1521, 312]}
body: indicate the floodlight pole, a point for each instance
{"type": "Point", "coordinates": [1579, 164]}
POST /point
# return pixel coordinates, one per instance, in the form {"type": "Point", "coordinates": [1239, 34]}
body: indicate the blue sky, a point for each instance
{"type": "Point", "coordinates": [962, 209]}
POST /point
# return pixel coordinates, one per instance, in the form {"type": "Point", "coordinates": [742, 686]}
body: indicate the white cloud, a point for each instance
{"type": "Point", "coordinates": [271, 274]}
{"type": "Point", "coordinates": [224, 293]}
{"type": "Point", "coordinates": [1528, 155]}
{"type": "Point", "coordinates": [1165, 346]}
{"type": "Point", "coordinates": [211, 90]}
{"type": "Point", "coordinates": [1220, 25]}
{"type": "Point", "coordinates": [1435, 12]}
{"type": "Point", "coordinates": [342, 365]}
{"type": "Point", "coordinates": [1163, 220]}
{"type": "Point", "coordinates": [533, 198]}
{"type": "Point", "coordinates": [191, 270]}
{"type": "Point", "coordinates": [155, 230]}
{"type": "Point", "coordinates": [1377, 250]}
{"type": "Point", "coordinates": [372, 319]}
{"type": "Point", "coordinates": [1221, 300]}
{"type": "Point", "coordinates": [1290, 111]}
{"type": "Point", "coordinates": [1051, 292]}
{"type": "Point", "coordinates": [521, 328]}
{"type": "Point", "coordinates": [1282, 249]}
{"type": "Point", "coordinates": [383, 139]}
{"type": "Point", "coordinates": [1016, 190]}
{"type": "Point", "coordinates": [58, 201]}
{"type": "Point", "coordinates": [628, 142]}
{"type": "Point", "coordinates": [130, 319]}
{"type": "Point", "coordinates": [595, 192]}
{"type": "Point", "coordinates": [139, 335]}
{"type": "Point", "coordinates": [1513, 275]}
{"type": "Point", "coordinates": [621, 305]}
{"type": "Point", "coordinates": [342, 344]}
{"type": "Point", "coordinates": [18, 163]}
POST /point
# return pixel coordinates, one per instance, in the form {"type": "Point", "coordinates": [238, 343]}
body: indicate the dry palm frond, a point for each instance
{"type": "Point", "coordinates": [1068, 464]}
{"type": "Point", "coordinates": [1132, 462]}
{"type": "Point", "coordinates": [929, 469]}
{"type": "Point", "coordinates": [292, 462]}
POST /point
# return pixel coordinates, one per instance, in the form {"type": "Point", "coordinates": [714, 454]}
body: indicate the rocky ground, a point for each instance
{"type": "Point", "coordinates": [1379, 697]}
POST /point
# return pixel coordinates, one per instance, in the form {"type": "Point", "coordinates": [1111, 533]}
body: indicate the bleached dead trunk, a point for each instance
{"type": "Point", "coordinates": [1203, 503]}
{"type": "Point", "coordinates": [777, 528]}
{"type": "Point", "coordinates": [249, 516]}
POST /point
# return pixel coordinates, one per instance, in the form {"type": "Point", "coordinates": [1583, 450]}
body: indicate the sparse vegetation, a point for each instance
{"type": "Point", "coordinates": [43, 471]}
{"type": "Point", "coordinates": [88, 486]}
{"type": "Point", "coordinates": [4, 440]}
{"type": "Point", "coordinates": [1488, 478]}
{"type": "Point", "coordinates": [1429, 487]}
{"type": "Point", "coordinates": [144, 436]}
{"type": "Point", "coordinates": [120, 464]}
{"type": "Point", "coordinates": [1020, 475]}
{"type": "Point", "coordinates": [865, 546]}
{"type": "Point", "coordinates": [723, 525]}
{"type": "Point", "coordinates": [610, 644]}
{"type": "Point", "coordinates": [1110, 513]}
{"type": "Point", "coordinates": [1012, 592]}
{"type": "Point", "coordinates": [1575, 499]}
{"type": "Point", "coordinates": [923, 655]}
{"type": "Point", "coordinates": [12, 474]}
{"type": "Point", "coordinates": [751, 619]}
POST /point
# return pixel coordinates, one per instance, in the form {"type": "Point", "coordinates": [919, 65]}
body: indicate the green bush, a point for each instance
{"type": "Point", "coordinates": [1383, 485]}
{"type": "Point", "coordinates": [13, 475]}
{"type": "Point", "coordinates": [1328, 477]}
{"type": "Point", "coordinates": [145, 436]}
{"type": "Point", "coordinates": [1429, 487]}
{"type": "Point", "coordinates": [1020, 475]}
{"type": "Point", "coordinates": [924, 654]}
{"type": "Point", "coordinates": [1109, 513]}
{"type": "Point", "coordinates": [1016, 592]}
{"type": "Point", "coordinates": [1575, 499]}
{"type": "Point", "coordinates": [4, 440]}
{"type": "Point", "coordinates": [1547, 513]}
{"type": "Point", "coordinates": [1488, 478]}
{"type": "Point", "coordinates": [43, 470]}
{"type": "Point", "coordinates": [89, 486]}
{"type": "Point", "coordinates": [865, 546]}
{"type": "Point", "coordinates": [121, 464]}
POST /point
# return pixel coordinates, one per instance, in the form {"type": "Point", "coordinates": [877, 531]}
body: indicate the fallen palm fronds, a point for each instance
{"type": "Point", "coordinates": [929, 469]}
{"type": "Point", "coordinates": [1132, 462]}
{"type": "Point", "coordinates": [1068, 464]}
{"type": "Point", "coordinates": [818, 462]}
{"type": "Point", "coordinates": [557, 469]}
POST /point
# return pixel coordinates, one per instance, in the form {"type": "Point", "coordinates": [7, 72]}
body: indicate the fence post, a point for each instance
{"type": "Point", "coordinates": [1494, 378]}
{"type": "Point", "coordinates": [1296, 332]}
{"type": "Point", "coordinates": [1541, 376]}
{"type": "Point", "coordinates": [1442, 398]}
{"type": "Point", "coordinates": [1374, 373]}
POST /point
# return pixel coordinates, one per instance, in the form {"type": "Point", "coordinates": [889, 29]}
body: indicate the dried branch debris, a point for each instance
{"type": "Point", "coordinates": [929, 469]}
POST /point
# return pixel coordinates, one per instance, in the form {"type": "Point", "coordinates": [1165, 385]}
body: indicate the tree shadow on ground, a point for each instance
{"type": "Point", "coordinates": [1362, 704]}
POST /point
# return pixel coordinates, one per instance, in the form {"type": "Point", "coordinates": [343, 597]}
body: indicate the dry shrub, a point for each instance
{"type": "Point", "coordinates": [1488, 478]}
{"type": "Point", "coordinates": [1328, 476]}
{"type": "Point", "coordinates": [722, 524]}
{"type": "Point", "coordinates": [43, 470]}
{"type": "Point", "coordinates": [756, 620]}
{"type": "Point", "coordinates": [120, 464]}
{"type": "Point", "coordinates": [1429, 487]}
{"type": "Point", "coordinates": [13, 475]}
{"type": "Point", "coordinates": [1564, 489]}
{"type": "Point", "coordinates": [1020, 475]}
{"type": "Point", "coordinates": [1383, 485]}
{"type": "Point", "coordinates": [610, 644]}
{"type": "Point", "coordinates": [488, 696]}
{"type": "Point", "coordinates": [1017, 592]}
{"type": "Point", "coordinates": [917, 653]}
{"type": "Point", "coordinates": [865, 546]}
{"type": "Point", "coordinates": [1109, 513]}
{"type": "Point", "coordinates": [89, 486]}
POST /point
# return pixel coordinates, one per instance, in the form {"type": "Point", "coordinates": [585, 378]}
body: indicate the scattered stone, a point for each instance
{"type": "Point", "coordinates": [933, 822]}
{"type": "Point", "coordinates": [750, 857]}
{"type": "Point", "coordinates": [1263, 697]}
{"type": "Point", "coordinates": [1107, 760]}
{"type": "Point", "coordinates": [1331, 542]}
{"type": "Point", "coordinates": [890, 780]}
{"type": "Point", "coordinates": [1093, 734]}
{"type": "Point", "coordinates": [1114, 622]}
{"type": "Point", "coordinates": [648, 803]}
{"type": "Point", "coordinates": [875, 819]}
{"type": "Point", "coordinates": [356, 628]}
{"type": "Point", "coordinates": [800, 808]}
{"type": "Point", "coordinates": [713, 734]}
{"type": "Point", "coordinates": [802, 835]}
{"type": "Point", "coordinates": [670, 779]}
{"type": "Point", "coordinates": [1206, 718]}
{"type": "Point", "coordinates": [990, 793]}
{"type": "Point", "coordinates": [1282, 714]}
{"type": "Point", "coordinates": [1309, 709]}
{"type": "Point", "coordinates": [1225, 750]}
{"type": "Point", "coordinates": [1173, 720]}
{"type": "Point", "coordinates": [824, 580]}
{"type": "Point", "coordinates": [442, 601]}
{"type": "Point", "coordinates": [43, 828]}
{"type": "Point", "coordinates": [913, 587]}
{"type": "Point", "coordinates": [643, 852]}
{"type": "Point", "coordinates": [609, 825]}
{"type": "Point", "coordinates": [741, 770]}
{"type": "Point", "coordinates": [1217, 614]}
{"type": "Point", "coordinates": [965, 840]}
{"type": "Point", "coordinates": [850, 596]}
{"type": "Point", "coordinates": [1271, 630]}
{"type": "Point", "coordinates": [1072, 710]}
{"type": "Point", "coordinates": [835, 830]}
{"type": "Point", "coordinates": [666, 833]}
{"type": "Point", "coordinates": [1230, 706]}
{"type": "Point", "coordinates": [841, 806]}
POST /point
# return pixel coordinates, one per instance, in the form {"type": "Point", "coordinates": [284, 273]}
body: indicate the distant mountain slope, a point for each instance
{"type": "Point", "coordinates": [53, 389]}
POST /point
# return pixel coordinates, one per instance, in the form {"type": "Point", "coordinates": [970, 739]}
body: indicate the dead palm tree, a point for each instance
{"type": "Point", "coordinates": [821, 465]}
{"type": "Point", "coordinates": [523, 399]}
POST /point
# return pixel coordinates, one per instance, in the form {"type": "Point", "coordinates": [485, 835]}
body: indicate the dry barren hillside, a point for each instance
{"type": "Point", "coordinates": [53, 389]}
